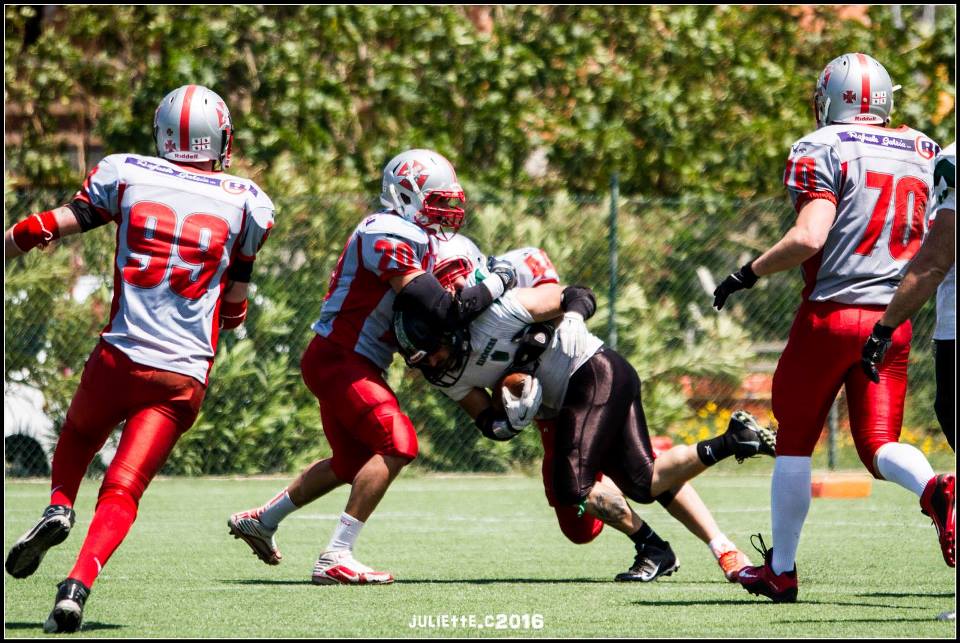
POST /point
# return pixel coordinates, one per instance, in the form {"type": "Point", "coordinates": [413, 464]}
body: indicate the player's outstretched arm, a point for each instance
{"type": "Point", "coordinates": [549, 301]}
{"type": "Point", "coordinates": [805, 239]}
{"type": "Point", "coordinates": [925, 272]}
{"type": "Point", "coordinates": [451, 311]}
{"type": "Point", "coordinates": [39, 229]}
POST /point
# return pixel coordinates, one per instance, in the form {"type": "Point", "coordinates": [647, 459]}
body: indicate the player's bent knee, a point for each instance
{"type": "Point", "coordinates": [582, 533]}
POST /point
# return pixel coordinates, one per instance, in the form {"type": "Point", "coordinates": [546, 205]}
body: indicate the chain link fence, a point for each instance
{"type": "Point", "coordinates": [652, 262]}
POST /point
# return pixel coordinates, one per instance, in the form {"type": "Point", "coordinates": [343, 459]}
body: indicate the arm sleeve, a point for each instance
{"type": "Point", "coordinates": [813, 171]}
{"type": "Point", "coordinates": [424, 294]}
{"type": "Point", "coordinates": [98, 200]}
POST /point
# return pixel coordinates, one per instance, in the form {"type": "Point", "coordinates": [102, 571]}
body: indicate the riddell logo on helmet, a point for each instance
{"type": "Point", "coordinates": [865, 118]}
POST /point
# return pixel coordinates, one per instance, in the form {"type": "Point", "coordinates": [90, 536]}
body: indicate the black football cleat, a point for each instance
{"type": "Point", "coordinates": [52, 529]}
{"type": "Point", "coordinates": [67, 614]}
{"type": "Point", "coordinates": [750, 438]}
{"type": "Point", "coordinates": [651, 563]}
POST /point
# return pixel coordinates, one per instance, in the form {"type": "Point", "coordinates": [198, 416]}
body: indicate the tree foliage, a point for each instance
{"type": "Point", "coordinates": [676, 99]}
{"type": "Point", "coordinates": [692, 107]}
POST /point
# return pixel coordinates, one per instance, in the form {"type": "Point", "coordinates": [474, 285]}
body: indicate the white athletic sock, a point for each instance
{"type": "Point", "coordinates": [789, 503]}
{"type": "Point", "coordinates": [720, 545]}
{"type": "Point", "coordinates": [277, 509]}
{"type": "Point", "coordinates": [345, 535]}
{"type": "Point", "coordinates": [904, 464]}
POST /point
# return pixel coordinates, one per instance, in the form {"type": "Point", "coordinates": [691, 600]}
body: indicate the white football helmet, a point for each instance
{"type": "Point", "coordinates": [192, 124]}
{"type": "Point", "coordinates": [422, 187]}
{"type": "Point", "coordinates": [853, 88]}
{"type": "Point", "coordinates": [459, 257]}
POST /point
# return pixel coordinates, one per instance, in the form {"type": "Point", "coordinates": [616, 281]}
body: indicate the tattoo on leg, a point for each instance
{"type": "Point", "coordinates": [611, 509]}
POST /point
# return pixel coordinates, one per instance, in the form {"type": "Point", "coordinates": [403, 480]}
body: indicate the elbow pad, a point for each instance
{"type": "Point", "coordinates": [86, 215]}
{"type": "Point", "coordinates": [578, 299]}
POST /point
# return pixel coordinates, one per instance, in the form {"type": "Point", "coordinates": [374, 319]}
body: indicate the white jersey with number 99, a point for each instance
{"type": "Point", "coordinates": [178, 231]}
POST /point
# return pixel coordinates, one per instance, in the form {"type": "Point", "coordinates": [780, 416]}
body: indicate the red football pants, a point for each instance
{"type": "Point", "coordinates": [157, 406]}
{"type": "Point", "coordinates": [823, 354]}
{"type": "Point", "coordinates": [360, 412]}
{"type": "Point", "coordinates": [577, 529]}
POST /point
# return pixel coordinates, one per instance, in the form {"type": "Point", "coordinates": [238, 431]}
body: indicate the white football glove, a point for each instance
{"type": "Point", "coordinates": [571, 334]}
{"type": "Point", "coordinates": [520, 410]}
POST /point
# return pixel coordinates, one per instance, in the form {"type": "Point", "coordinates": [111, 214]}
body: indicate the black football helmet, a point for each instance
{"type": "Point", "coordinates": [419, 339]}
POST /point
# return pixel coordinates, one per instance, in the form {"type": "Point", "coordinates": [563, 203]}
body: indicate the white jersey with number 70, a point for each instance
{"type": "Point", "coordinates": [880, 180]}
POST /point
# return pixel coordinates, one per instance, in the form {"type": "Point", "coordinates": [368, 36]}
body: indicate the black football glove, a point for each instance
{"type": "Point", "coordinates": [495, 426]}
{"type": "Point", "coordinates": [874, 349]}
{"type": "Point", "coordinates": [504, 270]}
{"type": "Point", "coordinates": [743, 278]}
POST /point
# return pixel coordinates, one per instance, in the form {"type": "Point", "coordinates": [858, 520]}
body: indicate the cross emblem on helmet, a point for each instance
{"type": "Point", "coordinates": [849, 96]}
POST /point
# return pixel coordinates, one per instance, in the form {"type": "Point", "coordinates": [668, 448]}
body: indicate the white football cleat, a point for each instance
{"type": "Point", "coordinates": [341, 568]}
{"type": "Point", "coordinates": [246, 526]}
{"type": "Point", "coordinates": [731, 562]}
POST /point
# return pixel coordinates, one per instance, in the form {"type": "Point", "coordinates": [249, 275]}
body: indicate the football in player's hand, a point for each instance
{"type": "Point", "coordinates": [511, 381]}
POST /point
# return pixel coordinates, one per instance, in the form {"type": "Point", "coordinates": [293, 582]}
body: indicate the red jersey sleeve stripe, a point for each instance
{"type": "Point", "coordinates": [807, 197]}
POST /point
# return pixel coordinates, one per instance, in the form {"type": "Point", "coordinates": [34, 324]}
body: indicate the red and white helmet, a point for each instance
{"type": "Point", "coordinates": [192, 124]}
{"type": "Point", "coordinates": [458, 257]}
{"type": "Point", "coordinates": [422, 187]}
{"type": "Point", "coordinates": [853, 88]}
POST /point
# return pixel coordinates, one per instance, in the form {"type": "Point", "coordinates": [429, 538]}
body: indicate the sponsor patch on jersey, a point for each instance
{"type": "Point", "coordinates": [169, 171]}
{"type": "Point", "coordinates": [926, 148]}
{"type": "Point", "coordinates": [878, 139]}
{"type": "Point", "coordinates": [231, 186]}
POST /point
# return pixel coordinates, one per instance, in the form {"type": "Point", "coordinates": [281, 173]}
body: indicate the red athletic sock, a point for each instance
{"type": "Point", "coordinates": [111, 523]}
{"type": "Point", "coordinates": [73, 455]}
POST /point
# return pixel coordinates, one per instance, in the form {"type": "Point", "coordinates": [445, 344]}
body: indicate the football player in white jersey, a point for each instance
{"type": "Point", "coordinates": [187, 237]}
{"type": "Point", "coordinates": [460, 263]}
{"type": "Point", "coordinates": [593, 396]}
{"type": "Point", "coordinates": [934, 268]}
{"type": "Point", "coordinates": [860, 189]}
{"type": "Point", "coordinates": [389, 252]}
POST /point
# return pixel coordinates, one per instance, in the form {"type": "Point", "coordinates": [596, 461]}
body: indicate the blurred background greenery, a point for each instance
{"type": "Point", "coordinates": [692, 108]}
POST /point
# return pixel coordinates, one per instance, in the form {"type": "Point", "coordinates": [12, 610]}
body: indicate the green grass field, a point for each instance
{"type": "Point", "coordinates": [479, 546]}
